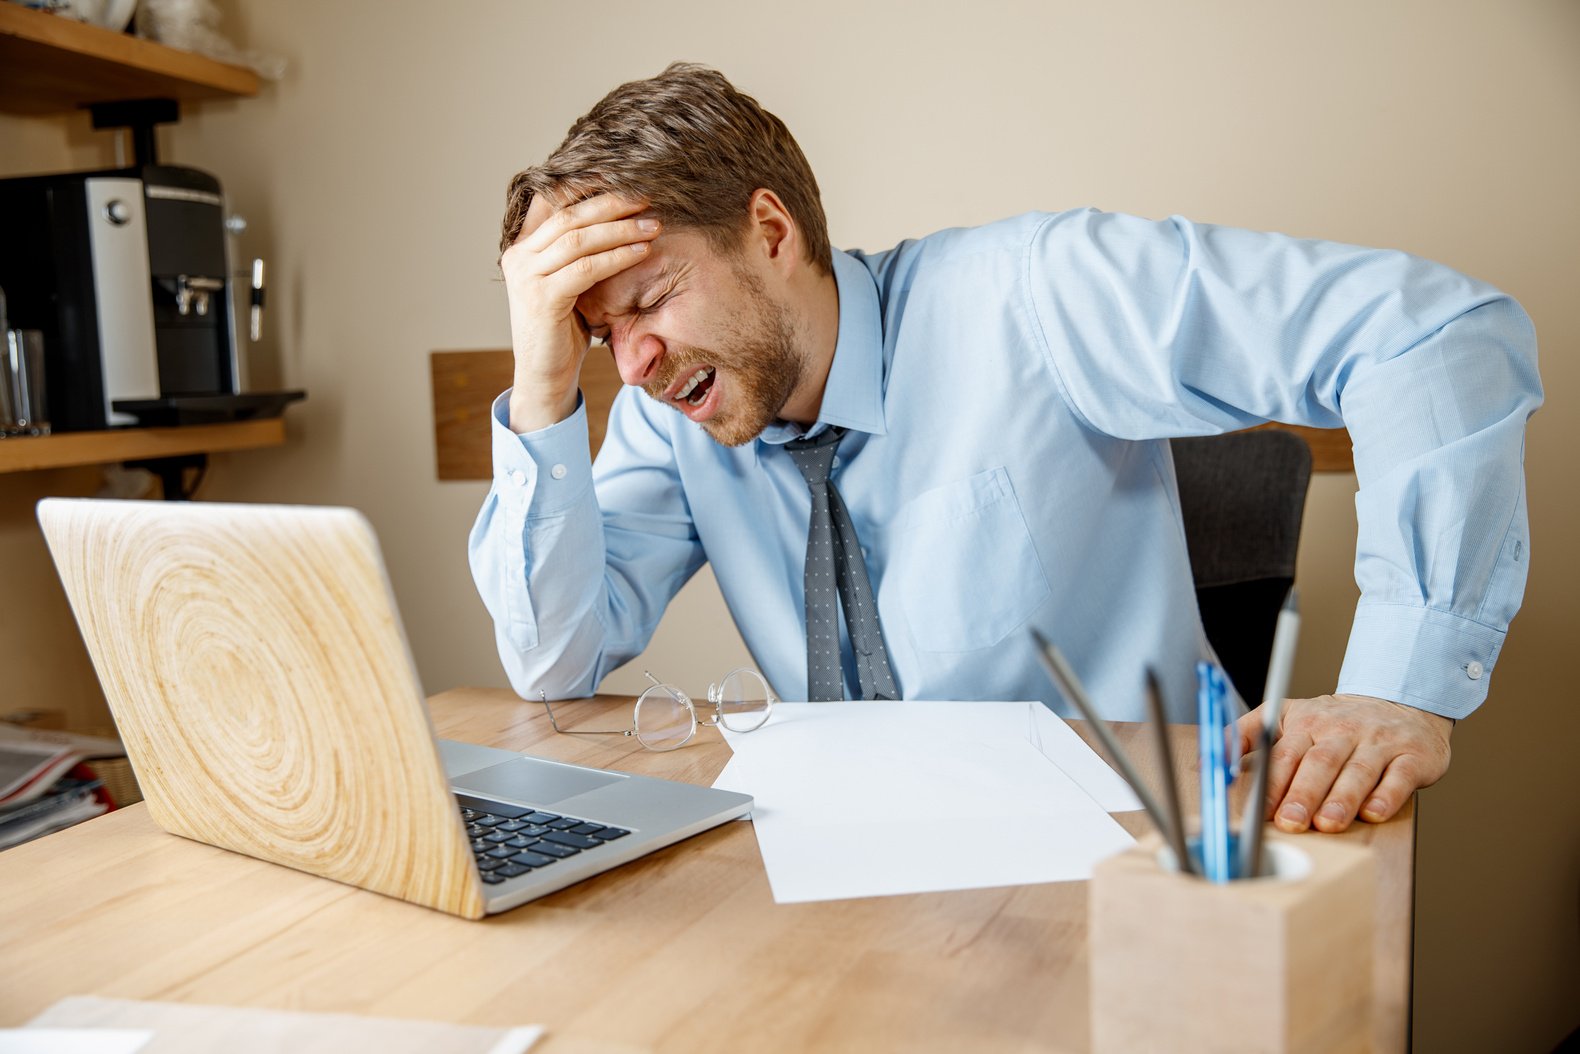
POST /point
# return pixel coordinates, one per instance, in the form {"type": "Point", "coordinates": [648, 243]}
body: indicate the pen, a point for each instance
{"type": "Point", "coordinates": [1171, 795]}
{"type": "Point", "coordinates": [1210, 695]}
{"type": "Point", "coordinates": [1252, 820]}
{"type": "Point", "coordinates": [1064, 677]}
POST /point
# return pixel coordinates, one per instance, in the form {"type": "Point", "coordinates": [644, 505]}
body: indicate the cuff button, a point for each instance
{"type": "Point", "coordinates": [1474, 671]}
{"type": "Point", "coordinates": [518, 477]}
{"type": "Point", "coordinates": [558, 471]}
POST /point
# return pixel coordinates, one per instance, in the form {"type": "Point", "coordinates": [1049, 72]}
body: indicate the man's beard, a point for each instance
{"type": "Point", "coordinates": [760, 366]}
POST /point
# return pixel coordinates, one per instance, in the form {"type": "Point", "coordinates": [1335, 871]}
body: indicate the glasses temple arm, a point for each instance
{"type": "Point", "coordinates": [584, 731]}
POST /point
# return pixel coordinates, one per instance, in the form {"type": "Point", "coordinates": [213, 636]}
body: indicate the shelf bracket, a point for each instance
{"type": "Point", "coordinates": [172, 474]}
{"type": "Point", "coordinates": [140, 116]}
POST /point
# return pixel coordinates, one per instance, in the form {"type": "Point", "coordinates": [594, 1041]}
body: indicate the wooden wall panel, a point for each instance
{"type": "Point", "coordinates": [1330, 447]}
{"type": "Point", "coordinates": [465, 384]}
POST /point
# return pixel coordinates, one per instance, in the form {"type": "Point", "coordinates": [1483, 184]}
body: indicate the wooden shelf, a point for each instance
{"type": "Point", "coordinates": [51, 64]}
{"type": "Point", "coordinates": [24, 454]}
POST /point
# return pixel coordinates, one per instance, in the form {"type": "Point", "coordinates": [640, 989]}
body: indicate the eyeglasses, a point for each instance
{"type": "Point", "coordinates": [665, 717]}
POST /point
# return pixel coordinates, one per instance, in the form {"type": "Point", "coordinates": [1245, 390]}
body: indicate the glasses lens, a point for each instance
{"type": "Point", "coordinates": [664, 719]}
{"type": "Point", "coordinates": [743, 701]}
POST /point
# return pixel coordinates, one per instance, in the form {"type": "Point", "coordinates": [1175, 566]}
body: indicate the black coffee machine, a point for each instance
{"type": "Point", "coordinates": [127, 274]}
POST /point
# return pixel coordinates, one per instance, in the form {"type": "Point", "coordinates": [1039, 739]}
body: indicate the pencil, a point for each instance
{"type": "Point", "coordinates": [1253, 819]}
{"type": "Point", "coordinates": [1171, 795]}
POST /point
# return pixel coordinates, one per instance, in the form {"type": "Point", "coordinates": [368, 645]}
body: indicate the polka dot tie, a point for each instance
{"type": "Point", "coordinates": [836, 576]}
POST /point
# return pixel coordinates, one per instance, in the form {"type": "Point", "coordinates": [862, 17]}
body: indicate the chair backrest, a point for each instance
{"type": "Point", "coordinates": [1242, 497]}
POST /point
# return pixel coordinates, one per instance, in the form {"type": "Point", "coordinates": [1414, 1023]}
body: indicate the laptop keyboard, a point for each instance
{"type": "Point", "coordinates": [509, 841]}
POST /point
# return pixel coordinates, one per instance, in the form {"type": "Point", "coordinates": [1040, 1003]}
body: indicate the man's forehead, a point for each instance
{"type": "Point", "coordinates": [540, 210]}
{"type": "Point", "coordinates": [673, 252]}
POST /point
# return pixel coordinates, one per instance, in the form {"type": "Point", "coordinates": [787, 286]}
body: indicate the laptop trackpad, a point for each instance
{"type": "Point", "coordinates": [534, 782]}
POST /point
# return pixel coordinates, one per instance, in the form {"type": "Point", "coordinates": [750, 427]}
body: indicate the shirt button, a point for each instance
{"type": "Point", "coordinates": [837, 462]}
{"type": "Point", "coordinates": [518, 477]}
{"type": "Point", "coordinates": [558, 471]}
{"type": "Point", "coordinates": [1473, 671]}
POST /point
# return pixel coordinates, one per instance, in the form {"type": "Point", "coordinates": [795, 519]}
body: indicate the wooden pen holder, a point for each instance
{"type": "Point", "coordinates": [1279, 963]}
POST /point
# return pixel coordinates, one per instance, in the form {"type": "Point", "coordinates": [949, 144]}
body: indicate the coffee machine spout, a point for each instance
{"type": "Point", "coordinates": [193, 293]}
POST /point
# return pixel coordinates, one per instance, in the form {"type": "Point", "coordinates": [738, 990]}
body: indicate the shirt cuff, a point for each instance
{"type": "Point", "coordinates": [542, 473]}
{"type": "Point", "coordinates": [1431, 660]}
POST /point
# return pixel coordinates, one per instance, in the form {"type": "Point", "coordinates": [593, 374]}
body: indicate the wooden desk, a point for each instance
{"type": "Point", "coordinates": [682, 950]}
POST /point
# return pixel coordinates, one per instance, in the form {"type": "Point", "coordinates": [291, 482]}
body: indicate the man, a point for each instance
{"type": "Point", "coordinates": [992, 408]}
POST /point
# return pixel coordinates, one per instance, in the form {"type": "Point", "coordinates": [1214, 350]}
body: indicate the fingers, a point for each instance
{"type": "Point", "coordinates": [600, 208]}
{"type": "Point", "coordinates": [1354, 785]}
{"type": "Point", "coordinates": [579, 242]}
{"type": "Point", "coordinates": [1249, 728]}
{"type": "Point", "coordinates": [584, 272]}
{"type": "Point", "coordinates": [1282, 761]}
{"type": "Point", "coordinates": [1347, 756]}
{"type": "Point", "coordinates": [1399, 781]}
{"type": "Point", "coordinates": [573, 249]}
{"type": "Point", "coordinates": [1313, 778]}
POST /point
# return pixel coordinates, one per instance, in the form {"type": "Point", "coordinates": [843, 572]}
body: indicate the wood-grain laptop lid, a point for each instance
{"type": "Point", "coordinates": [257, 670]}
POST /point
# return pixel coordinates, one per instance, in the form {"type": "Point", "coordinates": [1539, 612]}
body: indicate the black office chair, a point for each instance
{"type": "Point", "coordinates": [1242, 497]}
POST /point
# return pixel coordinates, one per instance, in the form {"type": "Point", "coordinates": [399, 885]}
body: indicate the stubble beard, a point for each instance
{"type": "Point", "coordinates": [760, 367]}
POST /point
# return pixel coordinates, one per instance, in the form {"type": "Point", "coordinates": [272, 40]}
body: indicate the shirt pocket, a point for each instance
{"type": "Point", "coordinates": [968, 572]}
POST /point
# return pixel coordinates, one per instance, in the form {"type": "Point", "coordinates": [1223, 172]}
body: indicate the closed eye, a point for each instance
{"type": "Point", "coordinates": [657, 302]}
{"type": "Point", "coordinates": [599, 334]}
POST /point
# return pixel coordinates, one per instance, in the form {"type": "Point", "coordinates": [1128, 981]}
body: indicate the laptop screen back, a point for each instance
{"type": "Point", "coordinates": [256, 668]}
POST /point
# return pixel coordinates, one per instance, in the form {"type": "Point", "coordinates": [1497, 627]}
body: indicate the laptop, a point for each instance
{"type": "Point", "coordinates": [256, 667]}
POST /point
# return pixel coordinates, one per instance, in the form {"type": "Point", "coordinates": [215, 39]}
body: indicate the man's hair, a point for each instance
{"type": "Point", "coordinates": [693, 147]}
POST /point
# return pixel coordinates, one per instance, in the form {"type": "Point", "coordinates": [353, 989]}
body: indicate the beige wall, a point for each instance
{"type": "Point", "coordinates": [373, 176]}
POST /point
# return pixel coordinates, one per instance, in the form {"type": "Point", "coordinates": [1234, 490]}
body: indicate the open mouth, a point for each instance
{"type": "Point", "coordinates": [695, 391]}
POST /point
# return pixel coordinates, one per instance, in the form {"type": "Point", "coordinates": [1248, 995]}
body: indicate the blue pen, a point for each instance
{"type": "Point", "coordinates": [1211, 693]}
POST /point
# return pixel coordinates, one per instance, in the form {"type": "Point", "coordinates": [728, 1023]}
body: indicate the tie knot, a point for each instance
{"type": "Point", "coordinates": [815, 456]}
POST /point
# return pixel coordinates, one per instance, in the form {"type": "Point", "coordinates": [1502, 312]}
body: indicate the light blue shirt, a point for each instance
{"type": "Point", "coordinates": [1008, 391]}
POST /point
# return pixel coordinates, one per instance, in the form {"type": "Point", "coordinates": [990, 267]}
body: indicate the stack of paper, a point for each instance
{"type": "Point", "coordinates": [863, 799]}
{"type": "Point", "coordinates": [40, 789]}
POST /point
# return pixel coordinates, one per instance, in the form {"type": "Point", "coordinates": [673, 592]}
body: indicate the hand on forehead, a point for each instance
{"type": "Point", "coordinates": [599, 208]}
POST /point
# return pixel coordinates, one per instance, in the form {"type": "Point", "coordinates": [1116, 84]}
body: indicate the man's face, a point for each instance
{"type": "Point", "coordinates": [697, 330]}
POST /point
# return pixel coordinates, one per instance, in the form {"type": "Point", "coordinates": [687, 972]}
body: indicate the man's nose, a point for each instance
{"type": "Point", "coordinates": [638, 360]}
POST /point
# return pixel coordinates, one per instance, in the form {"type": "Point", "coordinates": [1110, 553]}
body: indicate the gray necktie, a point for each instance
{"type": "Point", "coordinates": [836, 575]}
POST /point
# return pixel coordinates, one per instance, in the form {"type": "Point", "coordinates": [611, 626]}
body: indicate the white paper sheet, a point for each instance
{"type": "Point", "coordinates": [1047, 732]}
{"type": "Point", "coordinates": [1059, 743]}
{"type": "Point", "coordinates": [73, 1040]}
{"type": "Point", "coordinates": [187, 1028]}
{"type": "Point", "coordinates": [908, 797]}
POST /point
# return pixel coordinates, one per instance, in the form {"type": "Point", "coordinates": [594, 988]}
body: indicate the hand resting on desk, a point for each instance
{"type": "Point", "coordinates": [1342, 755]}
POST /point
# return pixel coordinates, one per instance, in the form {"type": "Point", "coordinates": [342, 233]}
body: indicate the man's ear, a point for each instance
{"type": "Point", "coordinates": [771, 230]}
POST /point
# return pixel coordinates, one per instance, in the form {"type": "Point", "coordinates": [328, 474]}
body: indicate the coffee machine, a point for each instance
{"type": "Point", "coordinates": [127, 274]}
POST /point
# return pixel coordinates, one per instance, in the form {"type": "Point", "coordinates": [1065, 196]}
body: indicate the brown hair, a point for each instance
{"type": "Point", "coordinates": [693, 147]}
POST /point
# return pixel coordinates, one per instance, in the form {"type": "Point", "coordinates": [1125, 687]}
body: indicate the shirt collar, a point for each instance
{"type": "Point", "coordinates": [853, 396]}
